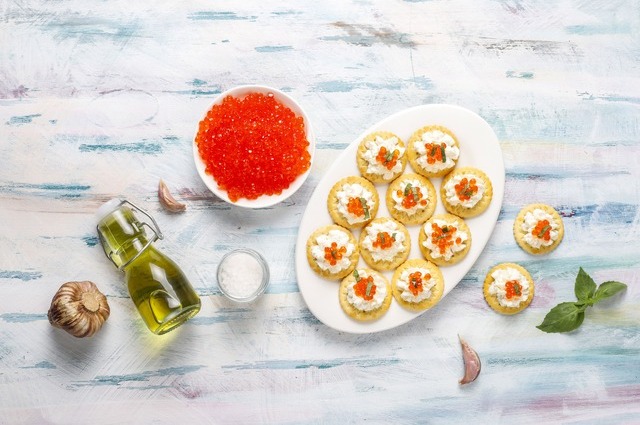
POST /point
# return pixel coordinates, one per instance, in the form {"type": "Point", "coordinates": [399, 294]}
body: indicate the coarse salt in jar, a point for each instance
{"type": "Point", "coordinates": [243, 275]}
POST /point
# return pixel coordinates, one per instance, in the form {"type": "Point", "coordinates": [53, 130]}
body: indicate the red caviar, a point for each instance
{"type": "Point", "coordinates": [442, 237]}
{"type": "Point", "coordinates": [436, 152]}
{"type": "Point", "coordinates": [386, 158]}
{"type": "Point", "coordinates": [253, 146]}
{"type": "Point", "coordinates": [356, 207]}
{"type": "Point", "coordinates": [365, 288]}
{"type": "Point", "coordinates": [384, 240]}
{"type": "Point", "coordinates": [542, 230]}
{"type": "Point", "coordinates": [415, 282]}
{"type": "Point", "coordinates": [412, 196]}
{"type": "Point", "coordinates": [513, 289]}
{"type": "Point", "coordinates": [334, 254]}
{"type": "Point", "coordinates": [466, 189]}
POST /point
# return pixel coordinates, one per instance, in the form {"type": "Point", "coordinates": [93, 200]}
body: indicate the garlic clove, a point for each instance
{"type": "Point", "coordinates": [472, 363]}
{"type": "Point", "coordinates": [167, 200]}
{"type": "Point", "coordinates": [79, 308]}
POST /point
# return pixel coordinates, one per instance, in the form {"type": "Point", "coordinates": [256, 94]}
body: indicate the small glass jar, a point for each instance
{"type": "Point", "coordinates": [243, 275]}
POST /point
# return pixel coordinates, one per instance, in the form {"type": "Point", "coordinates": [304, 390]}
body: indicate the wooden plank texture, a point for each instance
{"type": "Point", "coordinates": [102, 99]}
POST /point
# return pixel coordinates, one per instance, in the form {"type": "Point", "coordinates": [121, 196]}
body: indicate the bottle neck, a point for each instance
{"type": "Point", "coordinates": [123, 237]}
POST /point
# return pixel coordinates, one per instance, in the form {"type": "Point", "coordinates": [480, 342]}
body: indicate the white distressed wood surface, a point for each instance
{"type": "Point", "coordinates": [102, 99]}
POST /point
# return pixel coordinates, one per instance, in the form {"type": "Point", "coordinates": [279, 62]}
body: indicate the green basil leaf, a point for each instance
{"type": "Point", "coordinates": [608, 289]}
{"type": "Point", "coordinates": [585, 286]}
{"type": "Point", "coordinates": [564, 317]}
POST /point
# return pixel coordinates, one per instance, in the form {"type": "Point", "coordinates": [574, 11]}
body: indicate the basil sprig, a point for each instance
{"type": "Point", "coordinates": [568, 316]}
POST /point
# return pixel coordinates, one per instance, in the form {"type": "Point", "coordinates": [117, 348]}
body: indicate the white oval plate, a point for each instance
{"type": "Point", "coordinates": [479, 147]}
{"type": "Point", "coordinates": [264, 200]}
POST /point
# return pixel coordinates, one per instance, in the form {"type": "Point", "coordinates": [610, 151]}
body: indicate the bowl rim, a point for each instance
{"type": "Point", "coordinates": [264, 200]}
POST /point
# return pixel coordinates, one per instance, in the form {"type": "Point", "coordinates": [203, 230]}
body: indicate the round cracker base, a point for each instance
{"type": "Point", "coordinates": [436, 291]}
{"type": "Point", "coordinates": [332, 201]}
{"type": "Point", "coordinates": [363, 164]}
{"type": "Point", "coordinates": [353, 259]}
{"type": "Point", "coordinates": [519, 234]}
{"type": "Point", "coordinates": [363, 316]}
{"type": "Point", "coordinates": [413, 155]}
{"type": "Point", "coordinates": [480, 206]}
{"type": "Point", "coordinates": [421, 215]}
{"type": "Point", "coordinates": [458, 256]}
{"type": "Point", "coordinates": [400, 258]}
{"type": "Point", "coordinates": [492, 300]}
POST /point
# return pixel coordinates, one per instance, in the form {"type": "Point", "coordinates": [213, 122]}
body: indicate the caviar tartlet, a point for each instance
{"type": "Point", "coordinates": [365, 295]}
{"type": "Point", "coordinates": [353, 202]}
{"type": "Point", "coordinates": [332, 252]}
{"type": "Point", "coordinates": [417, 284]}
{"type": "Point", "coordinates": [538, 229]}
{"type": "Point", "coordinates": [381, 157]}
{"type": "Point", "coordinates": [411, 199]}
{"type": "Point", "coordinates": [433, 151]}
{"type": "Point", "coordinates": [508, 288]}
{"type": "Point", "coordinates": [444, 239]}
{"type": "Point", "coordinates": [466, 192]}
{"type": "Point", "coordinates": [384, 244]}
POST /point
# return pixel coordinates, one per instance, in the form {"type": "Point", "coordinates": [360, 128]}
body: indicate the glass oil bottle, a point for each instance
{"type": "Point", "coordinates": [159, 289]}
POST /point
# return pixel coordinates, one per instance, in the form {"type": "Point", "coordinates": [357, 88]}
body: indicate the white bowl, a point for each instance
{"type": "Point", "coordinates": [264, 200]}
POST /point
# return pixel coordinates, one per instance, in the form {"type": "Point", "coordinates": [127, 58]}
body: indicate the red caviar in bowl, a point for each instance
{"type": "Point", "coordinates": [253, 146]}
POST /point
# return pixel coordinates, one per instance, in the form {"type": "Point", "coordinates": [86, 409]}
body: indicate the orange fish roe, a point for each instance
{"type": "Point", "coordinates": [384, 240]}
{"type": "Point", "coordinates": [436, 152]}
{"type": "Point", "coordinates": [415, 282]}
{"type": "Point", "coordinates": [357, 207]}
{"type": "Point", "coordinates": [513, 289]}
{"type": "Point", "coordinates": [334, 254]}
{"type": "Point", "coordinates": [542, 230]}
{"type": "Point", "coordinates": [253, 146]}
{"type": "Point", "coordinates": [412, 196]}
{"type": "Point", "coordinates": [365, 288]}
{"type": "Point", "coordinates": [466, 189]}
{"type": "Point", "coordinates": [442, 237]}
{"type": "Point", "coordinates": [386, 158]}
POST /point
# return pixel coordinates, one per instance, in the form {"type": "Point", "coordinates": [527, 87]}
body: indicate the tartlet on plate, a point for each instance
{"type": "Point", "coordinates": [365, 294]}
{"type": "Point", "coordinates": [508, 288]}
{"type": "Point", "coordinates": [538, 229]}
{"type": "Point", "coordinates": [466, 192]}
{"type": "Point", "coordinates": [417, 284]}
{"type": "Point", "coordinates": [433, 150]}
{"type": "Point", "coordinates": [332, 251]}
{"type": "Point", "coordinates": [411, 199]}
{"type": "Point", "coordinates": [385, 244]}
{"type": "Point", "coordinates": [444, 239]}
{"type": "Point", "coordinates": [381, 157]}
{"type": "Point", "coordinates": [353, 202]}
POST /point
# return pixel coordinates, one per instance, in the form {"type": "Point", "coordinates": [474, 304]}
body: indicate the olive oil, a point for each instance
{"type": "Point", "coordinates": [159, 289]}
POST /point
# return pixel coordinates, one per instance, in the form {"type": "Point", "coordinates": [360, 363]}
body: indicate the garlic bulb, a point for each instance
{"type": "Point", "coordinates": [79, 308]}
{"type": "Point", "coordinates": [167, 200]}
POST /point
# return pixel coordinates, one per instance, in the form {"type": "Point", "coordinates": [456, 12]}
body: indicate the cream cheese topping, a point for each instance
{"type": "Point", "coordinates": [354, 190]}
{"type": "Point", "coordinates": [378, 298]}
{"type": "Point", "coordinates": [498, 286]}
{"type": "Point", "coordinates": [403, 285]}
{"type": "Point", "coordinates": [437, 137]}
{"type": "Point", "coordinates": [397, 199]}
{"type": "Point", "coordinates": [452, 196]}
{"type": "Point", "coordinates": [391, 228]}
{"type": "Point", "coordinates": [373, 147]}
{"type": "Point", "coordinates": [531, 219]}
{"type": "Point", "coordinates": [324, 241]}
{"type": "Point", "coordinates": [450, 251]}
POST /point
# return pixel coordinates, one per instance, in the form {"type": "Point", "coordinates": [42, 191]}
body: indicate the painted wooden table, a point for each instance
{"type": "Point", "coordinates": [102, 99]}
